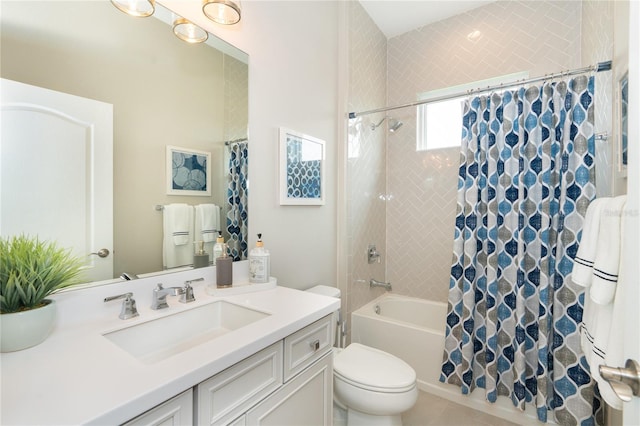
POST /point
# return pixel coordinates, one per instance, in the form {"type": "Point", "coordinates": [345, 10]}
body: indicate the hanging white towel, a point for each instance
{"type": "Point", "coordinates": [207, 222]}
{"type": "Point", "coordinates": [597, 317]}
{"type": "Point", "coordinates": [607, 262]}
{"type": "Point", "coordinates": [583, 267]}
{"type": "Point", "coordinates": [207, 225]}
{"type": "Point", "coordinates": [178, 246]}
{"type": "Point", "coordinates": [582, 273]}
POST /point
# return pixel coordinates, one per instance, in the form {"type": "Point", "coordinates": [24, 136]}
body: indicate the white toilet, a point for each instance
{"type": "Point", "coordinates": [374, 386]}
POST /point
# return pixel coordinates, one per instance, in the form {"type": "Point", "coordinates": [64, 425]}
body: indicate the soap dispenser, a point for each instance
{"type": "Point", "coordinates": [259, 263]}
{"type": "Point", "coordinates": [218, 248]}
{"type": "Point", "coordinates": [201, 257]}
{"type": "Point", "coordinates": [224, 269]}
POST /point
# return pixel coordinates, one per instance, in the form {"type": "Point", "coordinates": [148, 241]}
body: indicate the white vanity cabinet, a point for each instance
{"type": "Point", "coordinates": [288, 383]}
{"type": "Point", "coordinates": [233, 391]}
{"type": "Point", "coordinates": [176, 411]}
{"type": "Point", "coordinates": [306, 400]}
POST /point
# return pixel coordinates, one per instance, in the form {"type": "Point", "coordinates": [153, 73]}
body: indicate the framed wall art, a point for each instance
{"type": "Point", "coordinates": [188, 171]}
{"type": "Point", "coordinates": [302, 169]}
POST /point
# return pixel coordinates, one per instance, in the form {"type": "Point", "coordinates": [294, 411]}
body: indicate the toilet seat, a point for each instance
{"type": "Point", "coordinates": [373, 370]}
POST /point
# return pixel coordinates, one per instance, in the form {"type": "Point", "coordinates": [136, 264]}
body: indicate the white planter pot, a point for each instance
{"type": "Point", "coordinates": [21, 330]}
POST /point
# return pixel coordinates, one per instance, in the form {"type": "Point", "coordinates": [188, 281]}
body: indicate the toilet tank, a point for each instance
{"type": "Point", "coordinates": [326, 290]}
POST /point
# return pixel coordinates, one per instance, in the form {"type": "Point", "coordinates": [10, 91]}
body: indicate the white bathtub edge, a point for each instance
{"type": "Point", "coordinates": [503, 408]}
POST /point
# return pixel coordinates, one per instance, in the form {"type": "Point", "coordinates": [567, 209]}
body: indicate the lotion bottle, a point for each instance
{"type": "Point", "coordinates": [224, 269]}
{"type": "Point", "coordinates": [218, 248]}
{"type": "Point", "coordinates": [259, 263]}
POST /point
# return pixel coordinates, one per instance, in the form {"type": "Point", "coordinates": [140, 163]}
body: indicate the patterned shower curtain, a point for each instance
{"type": "Point", "coordinates": [237, 198]}
{"type": "Point", "coordinates": [525, 181]}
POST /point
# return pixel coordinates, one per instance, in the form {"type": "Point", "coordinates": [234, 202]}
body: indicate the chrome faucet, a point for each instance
{"type": "Point", "coordinates": [376, 283]}
{"type": "Point", "coordinates": [128, 277]}
{"type": "Point", "coordinates": [129, 309]}
{"type": "Point", "coordinates": [160, 294]}
{"type": "Point", "coordinates": [187, 295]}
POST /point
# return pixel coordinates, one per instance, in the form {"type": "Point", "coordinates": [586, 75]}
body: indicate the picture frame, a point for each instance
{"type": "Point", "coordinates": [302, 169]}
{"type": "Point", "coordinates": [188, 171]}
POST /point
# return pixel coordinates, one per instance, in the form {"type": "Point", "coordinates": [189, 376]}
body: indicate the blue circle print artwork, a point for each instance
{"type": "Point", "coordinates": [303, 170]}
{"type": "Point", "coordinates": [189, 171]}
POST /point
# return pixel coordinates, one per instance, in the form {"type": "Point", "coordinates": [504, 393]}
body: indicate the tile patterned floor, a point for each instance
{"type": "Point", "coordinates": [431, 410]}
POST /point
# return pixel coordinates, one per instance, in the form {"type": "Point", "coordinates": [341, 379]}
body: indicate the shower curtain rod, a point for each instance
{"type": "Point", "coordinates": [228, 143]}
{"type": "Point", "coordinates": [600, 66]}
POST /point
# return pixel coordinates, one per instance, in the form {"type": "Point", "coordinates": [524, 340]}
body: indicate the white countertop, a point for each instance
{"type": "Point", "coordinates": [77, 376]}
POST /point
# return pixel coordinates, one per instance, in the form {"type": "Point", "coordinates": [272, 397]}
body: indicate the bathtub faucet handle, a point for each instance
{"type": "Point", "coordinates": [373, 255]}
{"type": "Point", "coordinates": [376, 283]}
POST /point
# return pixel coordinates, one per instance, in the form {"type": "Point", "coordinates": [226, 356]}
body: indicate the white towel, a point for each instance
{"type": "Point", "coordinates": [177, 244]}
{"type": "Point", "coordinates": [582, 273]}
{"type": "Point", "coordinates": [607, 262]}
{"type": "Point", "coordinates": [583, 266]}
{"type": "Point", "coordinates": [207, 225]}
{"type": "Point", "coordinates": [207, 222]}
{"type": "Point", "coordinates": [596, 318]}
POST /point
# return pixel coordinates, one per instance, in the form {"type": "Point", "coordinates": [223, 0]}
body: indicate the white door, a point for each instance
{"type": "Point", "coordinates": [631, 410]}
{"type": "Point", "coordinates": [56, 171]}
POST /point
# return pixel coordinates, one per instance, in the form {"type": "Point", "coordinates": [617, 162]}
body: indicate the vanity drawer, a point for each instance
{"type": "Point", "coordinates": [233, 391]}
{"type": "Point", "coordinates": [307, 345]}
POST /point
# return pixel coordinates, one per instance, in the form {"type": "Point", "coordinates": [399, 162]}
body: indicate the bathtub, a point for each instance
{"type": "Point", "coordinates": [413, 330]}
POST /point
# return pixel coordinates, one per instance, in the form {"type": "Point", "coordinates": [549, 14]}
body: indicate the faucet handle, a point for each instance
{"type": "Point", "coordinates": [129, 309]}
{"type": "Point", "coordinates": [187, 295]}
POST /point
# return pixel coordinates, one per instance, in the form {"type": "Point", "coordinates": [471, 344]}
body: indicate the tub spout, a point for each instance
{"type": "Point", "coordinates": [376, 283]}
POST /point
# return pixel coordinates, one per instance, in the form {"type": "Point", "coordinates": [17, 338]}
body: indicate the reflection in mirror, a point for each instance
{"type": "Point", "coordinates": [624, 123]}
{"type": "Point", "coordinates": [163, 91]}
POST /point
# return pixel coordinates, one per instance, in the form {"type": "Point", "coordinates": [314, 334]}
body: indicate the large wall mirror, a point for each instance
{"type": "Point", "coordinates": [164, 92]}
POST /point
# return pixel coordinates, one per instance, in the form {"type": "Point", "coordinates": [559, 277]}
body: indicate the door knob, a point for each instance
{"type": "Point", "coordinates": [101, 253]}
{"type": "Point", "coordinates": [625, 382]}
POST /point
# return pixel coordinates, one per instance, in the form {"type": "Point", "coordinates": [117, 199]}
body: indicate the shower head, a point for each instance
{"type": "Point", "coordinates": [394, 125]}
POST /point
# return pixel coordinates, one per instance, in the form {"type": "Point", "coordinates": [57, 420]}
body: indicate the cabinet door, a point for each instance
{"type": "Point", "coordinates": [174, 412]}
{"type": "Point", "coordinates": [307, 400]}
{"type": "Point", "coordinates": [228, 394]}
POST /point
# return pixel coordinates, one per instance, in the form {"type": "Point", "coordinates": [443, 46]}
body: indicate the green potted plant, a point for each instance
{"type": "Point", "coordinates": [30, 271]}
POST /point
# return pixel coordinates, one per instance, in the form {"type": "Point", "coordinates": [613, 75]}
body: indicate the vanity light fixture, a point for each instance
{"type": "Point", "coordinates": [187, 31]}
{"type": "Point", "coordinates": [137, 8]}
{"type": "Point", "coordinates": [226, 12]}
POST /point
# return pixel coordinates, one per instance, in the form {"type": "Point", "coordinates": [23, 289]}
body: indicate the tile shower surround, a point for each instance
{"type": "Point", "coordinates": [404, 200]}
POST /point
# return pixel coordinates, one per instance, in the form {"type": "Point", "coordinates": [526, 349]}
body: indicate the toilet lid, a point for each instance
{"type": "Point", "coordinates": [373, 369]}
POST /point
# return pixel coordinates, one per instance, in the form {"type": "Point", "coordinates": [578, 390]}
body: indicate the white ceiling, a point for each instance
{"type": "Point", "coordinates": [395, 17]}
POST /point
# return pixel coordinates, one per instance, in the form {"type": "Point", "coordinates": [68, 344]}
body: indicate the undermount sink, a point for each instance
{"type": "Point", "coordinates": [159, 339]}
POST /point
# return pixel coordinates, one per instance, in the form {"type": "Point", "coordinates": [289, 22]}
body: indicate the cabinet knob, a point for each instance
{"type": "Point", "coordinates": [315, 345]}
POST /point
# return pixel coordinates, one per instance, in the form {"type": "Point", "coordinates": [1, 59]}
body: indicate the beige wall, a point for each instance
{"type": "Point", "coordinates": [293, 82]}
{"type": "Point", "coordinates": [366, 166]}
{"type": "Point", "coordinates": [597, 46]}
{"type": "Point", "coordinates": [164, 92]}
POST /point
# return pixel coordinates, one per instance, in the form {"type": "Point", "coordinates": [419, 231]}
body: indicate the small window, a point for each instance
{"type": "Point", "coordinates": [440, 122]}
